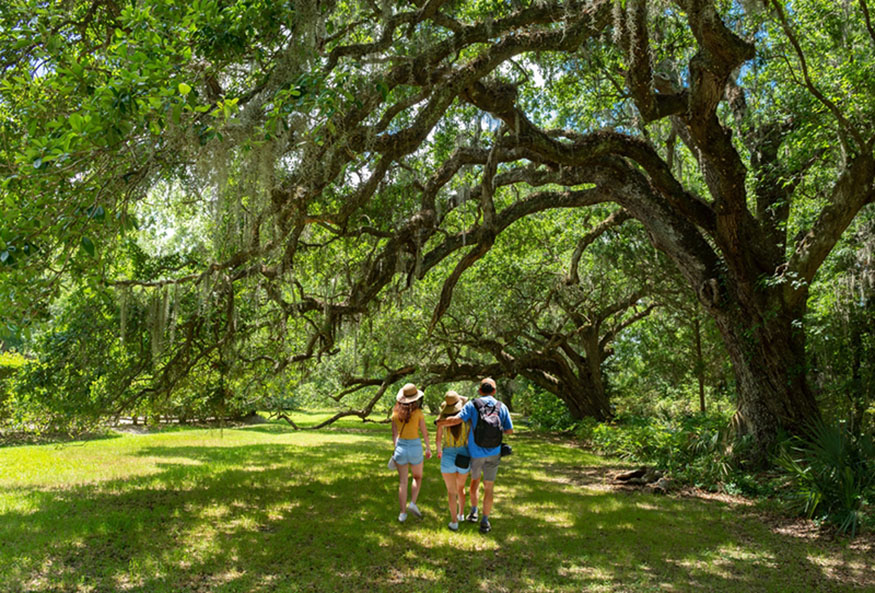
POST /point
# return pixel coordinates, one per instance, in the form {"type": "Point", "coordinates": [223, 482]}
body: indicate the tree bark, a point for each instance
{"type": "Point", "coordinates": [766, 345]}
{"type": "Point", "coordinates": [700, 363]}
{"type": "Point", "coordinates": [583, 392]}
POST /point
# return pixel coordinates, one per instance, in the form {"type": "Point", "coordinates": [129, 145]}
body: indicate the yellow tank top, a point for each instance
{"type": "Point", "coordinates": [448, 441]}
{"type": "Point", "coordinates": [411, 429]}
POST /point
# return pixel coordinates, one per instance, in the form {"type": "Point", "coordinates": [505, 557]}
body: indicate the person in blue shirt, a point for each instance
{"type": "Point", "coordinates": [484, 461]}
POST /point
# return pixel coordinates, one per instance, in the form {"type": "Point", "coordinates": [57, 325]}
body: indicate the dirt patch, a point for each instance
{"type": "Point", "coordinates": [733, 499]}
{"type": "Point", "coordinates": [602, 478]}
{"type": "Point", "coordinates": [594, 477]}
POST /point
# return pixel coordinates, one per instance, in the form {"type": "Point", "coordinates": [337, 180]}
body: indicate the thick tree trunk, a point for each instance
{"type": "Point", "coordinates": [584, 400]}
{"type": "Point", "coordinates": [592, 381]}
{"type": "Point", "coordinates": [767, 349]}
{"type": "Point", "coordinates": [592, 401]}
{"type": "Point", "coordinates": [700, 362]}
{"type": "Point", "coordinates": [585, 395]}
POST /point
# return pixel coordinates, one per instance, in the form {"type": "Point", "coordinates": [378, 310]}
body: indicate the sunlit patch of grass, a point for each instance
{"type": "Point", "coordinates": [844, 566]}
{"type": "Point", "coordinates": [267, 508]}
{"type": "Point", "coordinates": [722, 561]}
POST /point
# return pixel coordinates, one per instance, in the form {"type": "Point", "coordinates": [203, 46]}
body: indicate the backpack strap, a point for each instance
{"type": "Point", "coordinates": [481, 405]}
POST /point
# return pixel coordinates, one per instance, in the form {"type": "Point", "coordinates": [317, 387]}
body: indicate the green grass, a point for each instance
{"type": "Point", "coordinates": [263, 508]}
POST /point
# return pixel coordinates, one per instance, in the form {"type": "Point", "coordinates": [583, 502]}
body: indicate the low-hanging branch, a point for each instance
{"type": "Point", "coordinates": [354, 385]}
{"type": "Point", "coordinates": [347, 135]}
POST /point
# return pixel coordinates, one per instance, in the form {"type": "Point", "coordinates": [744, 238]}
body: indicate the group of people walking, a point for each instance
{"type": "Point", "coordinates": [468, 442]}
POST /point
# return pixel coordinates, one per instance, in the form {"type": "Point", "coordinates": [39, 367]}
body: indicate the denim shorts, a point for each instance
{"type": "Point", "coordinates": [448, 460]}
{"type": "Point", "coordinates": [408, 451]}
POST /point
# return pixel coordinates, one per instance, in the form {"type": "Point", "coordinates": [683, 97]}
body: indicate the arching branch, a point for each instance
{"type": "Point", "coordinates": [356, 384]}
{"type": "Point", "coordinates": [614, 220]}
{"type": "Point", "coordinates": [847, 130]}
{"type": "Point", "coordinates": [854, 189]}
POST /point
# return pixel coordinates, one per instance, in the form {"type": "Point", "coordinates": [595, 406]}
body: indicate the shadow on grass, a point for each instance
{"type": "Point", "coordinates": [285, 517]}
{"type": "Point", "coordinates": [307, 421]}
{"type": "Point", "coordinates": [13, 439]}
{"type": "Point", "coordinates": [269, 428]}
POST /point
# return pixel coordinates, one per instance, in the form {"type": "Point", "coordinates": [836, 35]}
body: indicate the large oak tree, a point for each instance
{"type": "Point", "coordinates": [338, 150]}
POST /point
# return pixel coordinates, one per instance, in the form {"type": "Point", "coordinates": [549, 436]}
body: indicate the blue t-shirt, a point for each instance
{"type": "Point", "coordinates": [469, 414]}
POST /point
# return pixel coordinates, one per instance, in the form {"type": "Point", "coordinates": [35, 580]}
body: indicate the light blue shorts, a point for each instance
{"type": "Point", "coordinates": [408, 451]}
{"type": "Point", "coordinates": [448, 461]}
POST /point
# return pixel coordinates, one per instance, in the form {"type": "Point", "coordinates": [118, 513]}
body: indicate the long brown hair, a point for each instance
{"type": "Point", "coordinates": [456, 430]}
{"type": "Point", "coordinates": [403, 411]}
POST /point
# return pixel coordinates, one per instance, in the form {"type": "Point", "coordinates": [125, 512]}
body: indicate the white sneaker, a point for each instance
{"type": "Point", "coordinates": [460, 518]}
{"type": "Point", "coordinates": [412, 508]}
{"type": "Point", "coordinates": [402, 517]}
{"type": "Point", "coordinates": [453, 525]}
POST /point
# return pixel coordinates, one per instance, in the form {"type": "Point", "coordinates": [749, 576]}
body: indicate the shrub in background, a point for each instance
{"type": "Point", "coordinates": [698, 450]}
{"type": "Point", "coordinates": [543, 409]}
{"type": "Point", "coordinates": [10, 363]}
{"type": "Point", "coordinates": [695, 449]}
{"type": "Point", "coordinates": [831, 475]}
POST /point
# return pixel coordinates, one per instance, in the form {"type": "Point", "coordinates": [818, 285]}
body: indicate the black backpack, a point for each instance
{"type": "Point", "coordinates": [488, 433]}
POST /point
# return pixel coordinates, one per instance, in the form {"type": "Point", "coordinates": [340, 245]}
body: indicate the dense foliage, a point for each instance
{"type": "Point", "coordinates": [641, 206]}
{"type": "Point", "coordinates": [832, 475]}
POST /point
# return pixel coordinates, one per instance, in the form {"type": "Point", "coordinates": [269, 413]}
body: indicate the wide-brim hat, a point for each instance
{"type": "Point", "coordinates": [452, 403]}
{"type": "Point", "coordinates": [408, 394]}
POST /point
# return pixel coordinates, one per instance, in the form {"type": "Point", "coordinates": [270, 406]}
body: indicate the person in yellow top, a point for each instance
{"type": "Point", "coordinates": [408, 422]}
{"type": "Point", "coordinates": [451, 443]}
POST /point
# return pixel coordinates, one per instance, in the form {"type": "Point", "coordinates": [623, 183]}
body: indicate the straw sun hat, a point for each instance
{"type": "Point", "coordinates": [408, 394]}
{"type": "Point", "coordinates": [452, 404]}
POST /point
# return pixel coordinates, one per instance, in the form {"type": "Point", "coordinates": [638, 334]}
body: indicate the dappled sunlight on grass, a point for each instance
{"type": "Point", "coordinates": [723, 562]}
{"type": "Point", "coordinates": [279, 510]}
{"type": "Point", "coordinates": [856, 570]}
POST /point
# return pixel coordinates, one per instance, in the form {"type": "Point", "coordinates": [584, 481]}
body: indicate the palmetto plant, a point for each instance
{"type": "Point", "coordinates": [831, 474]}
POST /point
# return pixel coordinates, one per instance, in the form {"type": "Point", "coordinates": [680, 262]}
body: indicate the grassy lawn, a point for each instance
{"type": "Point", "coordinates": [264, 508]}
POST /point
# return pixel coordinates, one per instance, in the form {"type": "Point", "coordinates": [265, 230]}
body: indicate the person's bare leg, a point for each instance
{"type": "Point", "coordinates": [460, 488]}
{"type": "Point", "coordinates": [416, 470]}
{"type": "Point", "coordinates": [452, 495]}
{"type": "Point", "coordinates": [475, 484]}
{"type": "Point", "coordinates": [488, 488]}
{"type": "Point", "coordinates": [402, 487]}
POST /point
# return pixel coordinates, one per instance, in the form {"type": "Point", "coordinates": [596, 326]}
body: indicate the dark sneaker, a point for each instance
{"type": "Point", "coordinates": [472, 516]}
{"type": "Point", "coordinates": [485, 527]}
